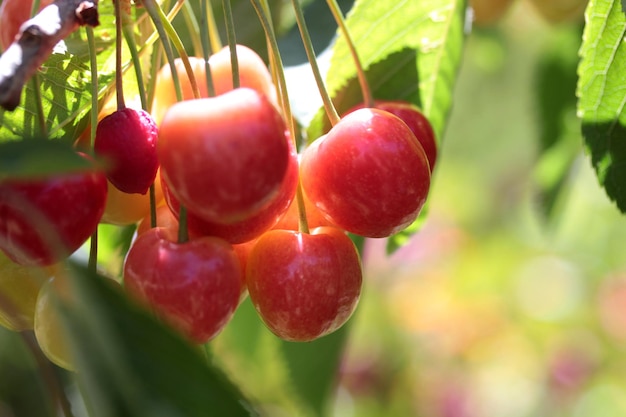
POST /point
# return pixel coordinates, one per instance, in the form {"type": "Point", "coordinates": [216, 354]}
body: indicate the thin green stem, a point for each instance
{"type": "Point", "coordinates": [180, 48]}
{"type": "Point", "coordinates": [368, 98]}
{"type": "Point", "coordinates": [48, 374]}
{"type": "Point", "coordinates": [284, 97]}
{"type": "Point", "coordinates": [193, 26]}
{"type": "Point", "coordinates": [232, 41]}
{"type": "Point", "coordinates": [92, 264]}
{"type": "Point", "coordinates": [153, 210]}
{"type": "Point", "coordinates": [155, 65]}
{"type": "Point", "coordinates": [119, 85]}
{"type": "Point", "coordinates": [310, 53]}
{"type": "Point", "coordinates": [205, 30]}
{"type": "Point", "coordinates": [93, 62]}
{"type": "Point", "coordinates": [183, 232]}
{"type": "Point", "coordinates": [153, 10]}
{"type": "Point", "coordinates": [41, 116]}
{"type": "Point", "coordinates": [134, 55]}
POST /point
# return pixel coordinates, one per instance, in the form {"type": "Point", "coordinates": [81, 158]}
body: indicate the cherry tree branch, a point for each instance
{"type": "Point", "coordinates": [35, 42]}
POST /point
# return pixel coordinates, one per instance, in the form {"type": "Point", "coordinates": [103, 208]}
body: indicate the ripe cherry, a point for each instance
{"type": "Point", "coordinates": [195, 286]}
{"type": "Point", "coordinates": [368, 175]}
{"type": "Point", "coordinates": [19, 286]}
{"type": "Point", "coordinates": [417, 122]}
{"type": "Point", "coordinates": [43, 220]}
{"type": "Point", "coordinates": [253, 73]}
{"type": "Point", "coordinates": [123, 208]}
{"type": "Point", "coordinates": [251, 227]}
{"type": "Point", "coordinates": [127, 138]}
{"type": "Point", "coordinates": [224, 158]}
{"type": "Point", "coordinates": [304, 286]}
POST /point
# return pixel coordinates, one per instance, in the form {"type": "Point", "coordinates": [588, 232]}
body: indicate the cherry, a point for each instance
{"type": "Point", "coordinates": [43, 220]}
{"type": "Point", "coordinates": [127, 137]}
{"type": "Point", "coordinates": [368, 175]}
{"type": "Point", "coordinates": [251, 227]}
{"type": "Point", "coordinates": [165, 218]}
{"type": "Point", "coordinates": [49, 330]}
{"type": "Point", "coordinates": [291, 219]}
{"type": "Point", "coordinates": [195, 286]}
{"type": "Point", "coordinates": [253, 73]}
{"type": "Point", "coordinates": [225, 157]}
{"type": "Point", "coordinates": [304, 286]}
{"type": "Point", "coordinates": [417, 122]}
{"type": "Point", "coordinates": [19, 286]}
{"type": "Point", "coordinates": [12, 14]}
{"type": "Point", "coordinates": [123, 208]}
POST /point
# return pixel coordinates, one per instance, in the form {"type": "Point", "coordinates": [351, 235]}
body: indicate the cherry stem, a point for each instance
{"type": "Point", "coordinates": [155, 64]}
{"type": "Point", "coordinates": [41, 117]}
{"type": "Point", "coordinates": [368, 98]}
{"type": "Point", "coordinates": [205, 30]}
{"type": "Point", "coordinates": [214, 34]}
{"type": "Point", "coordinates": [47, 373]}
{"type": "Point", "coordinates": [153, 10]}
{"type": "Point", "coordinates": [284, 97]}
{"type": "Point", "coordinates": [92, 264]}
{"type": "Point", "coordinates": [153, 211]}
{"type": "Point", "coordinates": [183, 232]}
{"type": "Point", "coordinates": [192, 25]}
{"type": "Point", "coordinates": [119, 87]}
{"type": "Point", "coordinates": [132, 46]}
{"type": "Point", "coordinates": [232, 41]}
{"type": "Point", "coordinates": [331, 112]}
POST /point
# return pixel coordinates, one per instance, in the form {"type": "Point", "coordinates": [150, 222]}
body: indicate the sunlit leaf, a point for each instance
{"type": "Point", "coordinates": [417, 46]}
{"type": "Point", "coordinates": [65, 86]}
{"type": "Point", "coordinates": [602, 95]}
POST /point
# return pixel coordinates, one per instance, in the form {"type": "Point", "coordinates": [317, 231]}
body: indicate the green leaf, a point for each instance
{"type": "Point", "coordinates": [37, 158]}
{"type": "Point", "coordinates": [131, 365]}
{"type": "Point", "coordinates": [314, 368]}
{"type": "Point", "coordinates": [602, 95]}
{"type": "Point", "coordinates": [411, 51]}
{"type": "Point", "coordinates": [65, 87]}
{"type": "Point", "coordinates": [559, 141]}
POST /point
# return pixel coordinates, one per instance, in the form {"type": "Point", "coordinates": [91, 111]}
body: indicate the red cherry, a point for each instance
{"type": "Point", "coordinates": [368, 175]}
{"type": "Point", "coordinates": [127, 137]}
{"type": "Point", "coordinates": [224, 158]}
{"type": "Point", "coordinates": [253, 73]}
{"type": "Point", "coordinates": [417, 122]}
{"type": "Point", "coordinates": [304, 286]}
{"type": "Point", "coordinates": [194, 286]}
{"type": "Point", "coordinates": [44, 220]}
{"type": "Point", "coordinates": [251, 227]}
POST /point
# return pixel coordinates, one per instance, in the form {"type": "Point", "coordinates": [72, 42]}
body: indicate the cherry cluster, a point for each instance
{"type": "Point", "coordinates": [240, 211]}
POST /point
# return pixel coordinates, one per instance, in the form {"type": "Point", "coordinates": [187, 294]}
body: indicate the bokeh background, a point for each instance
{"type": "Point", "coordinates": [511, 301]}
